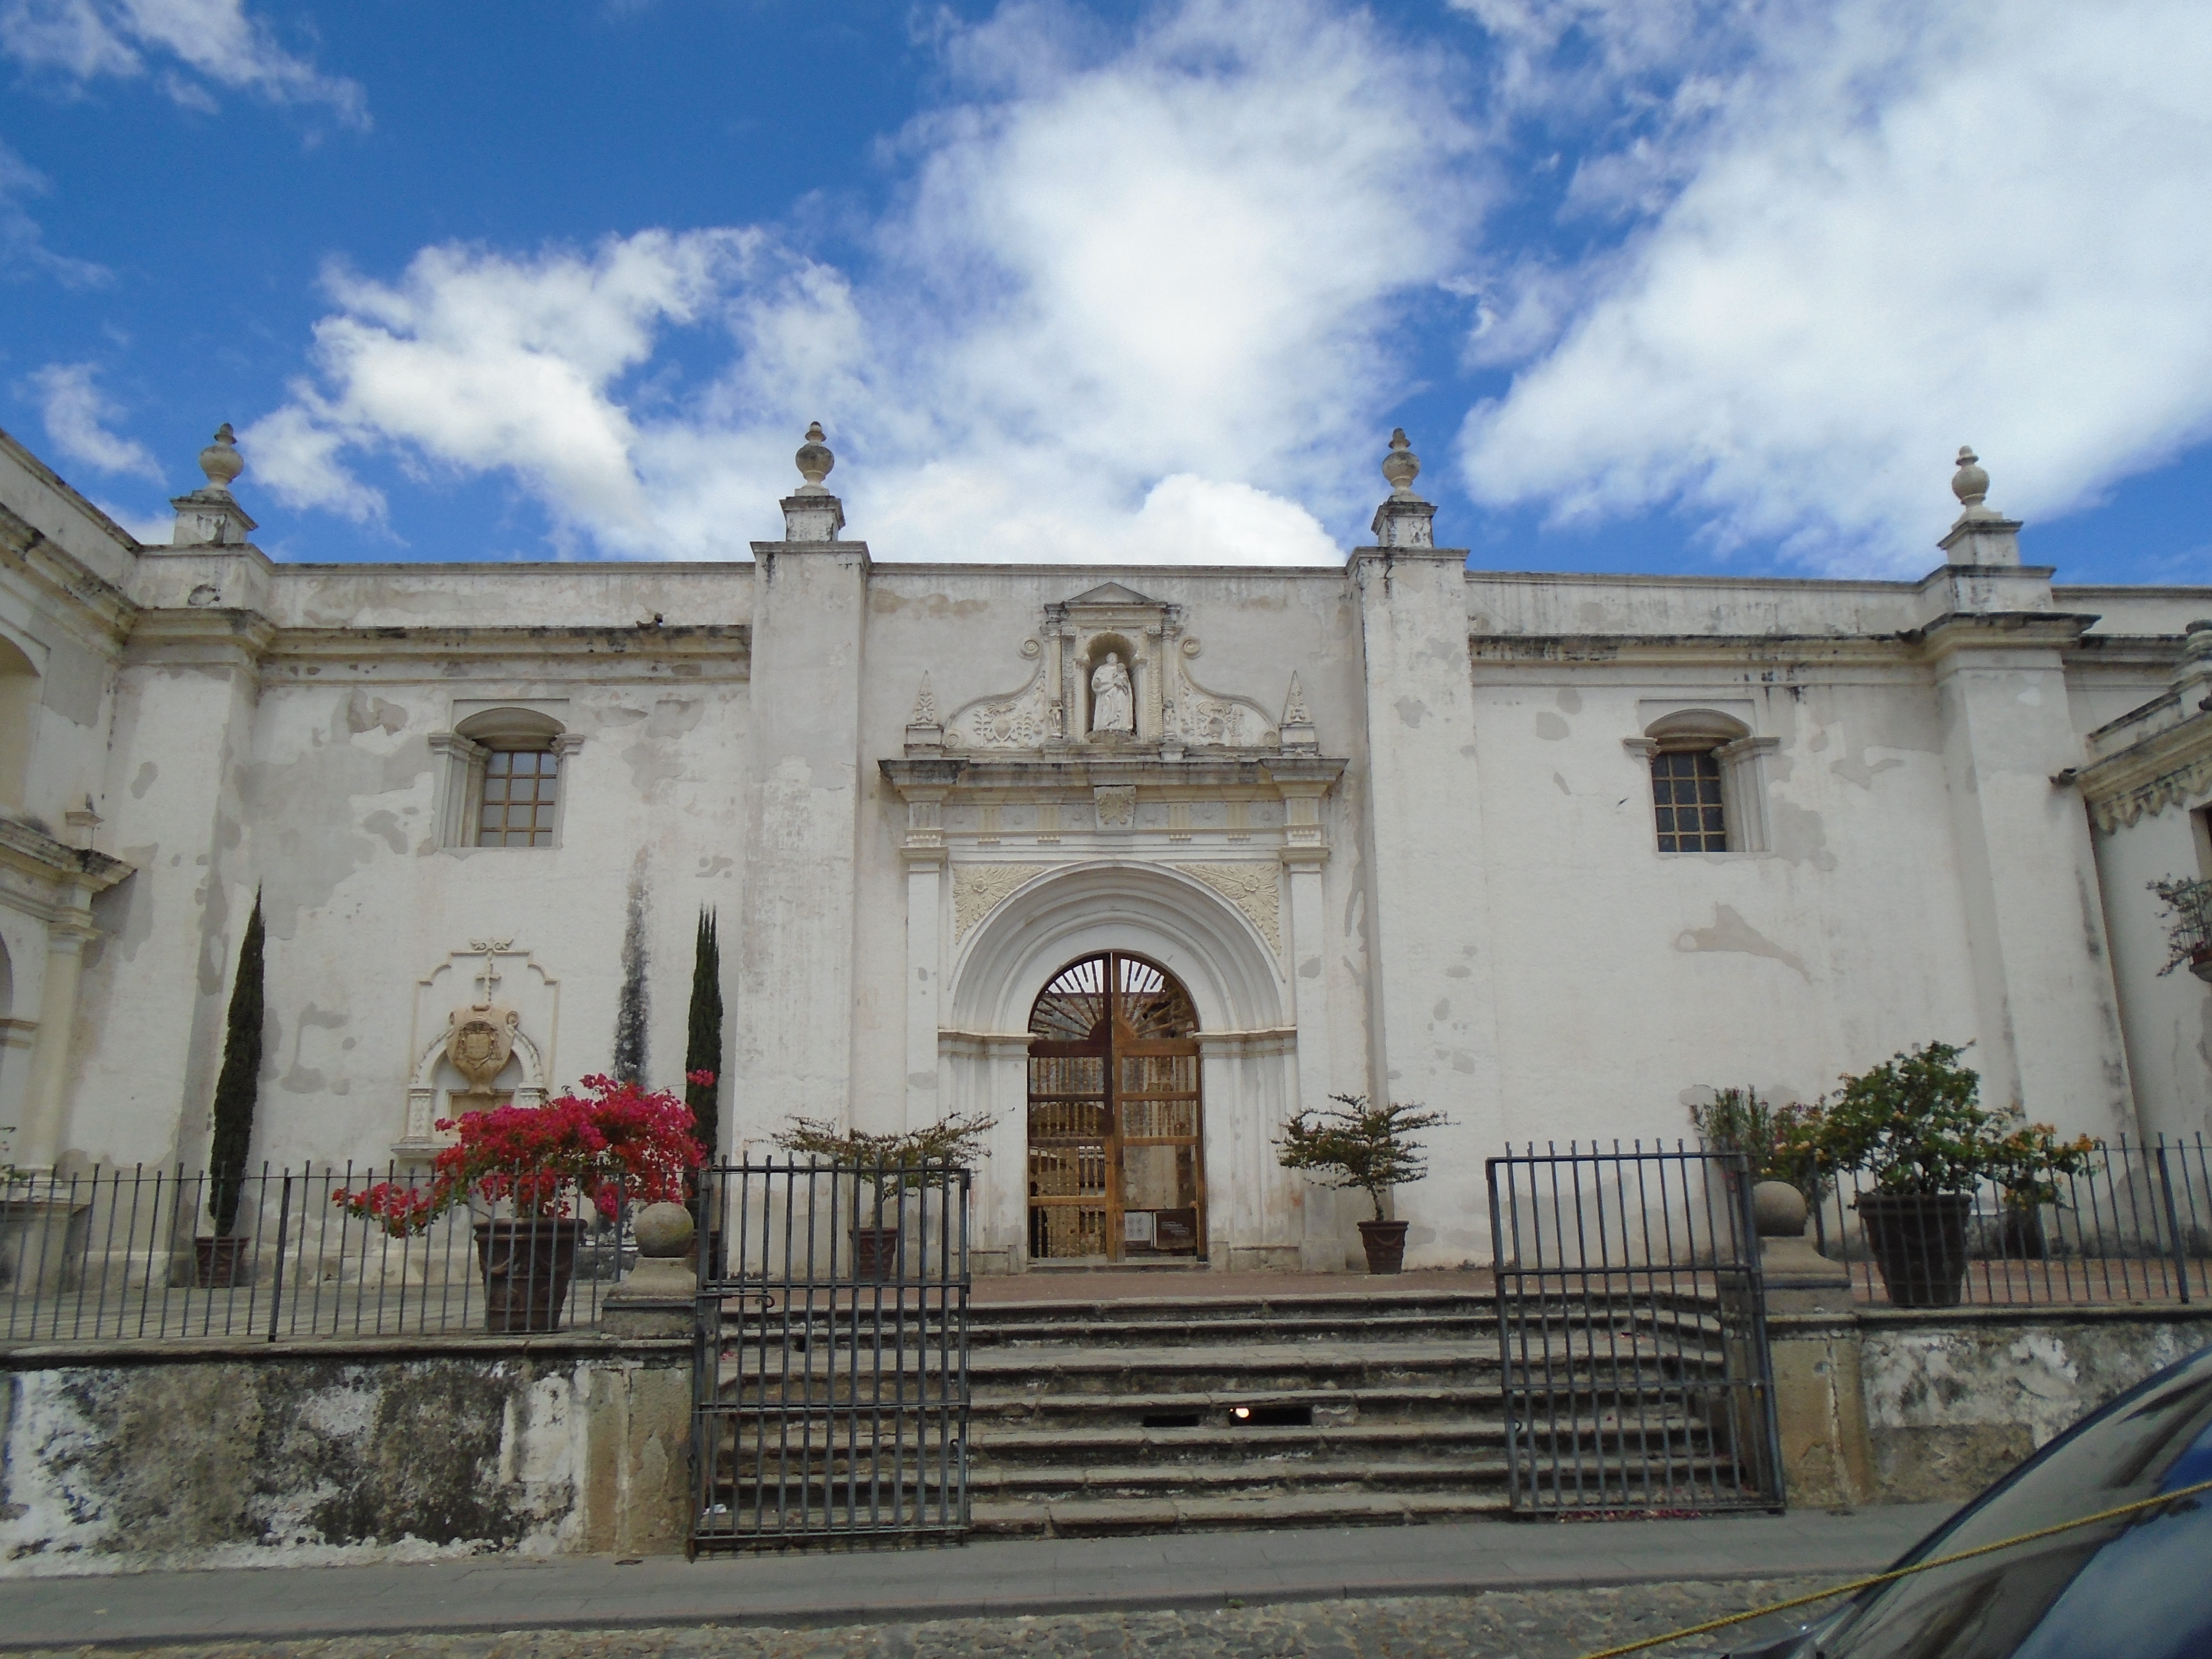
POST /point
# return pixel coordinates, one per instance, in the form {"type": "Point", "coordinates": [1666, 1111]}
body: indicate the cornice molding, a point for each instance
{"type": "Point", "coordinates": [2169, 769]}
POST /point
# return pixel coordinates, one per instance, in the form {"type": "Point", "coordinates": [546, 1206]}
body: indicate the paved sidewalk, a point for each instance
{"type": "Point", "coordinates": [994, 1579]}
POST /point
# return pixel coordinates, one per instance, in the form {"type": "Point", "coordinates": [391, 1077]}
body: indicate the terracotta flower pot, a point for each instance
{"type": "Point", "coordinates": [527, 1266]}
{"type": "Point", "coordinates": [875, 1252]}
{"type": "Point", "coordinates": [218, 1264]}
{"type": "Point", "coordinates": [1385, 1244]}
{"type": "Point", "coordinates": [1918, 1240]}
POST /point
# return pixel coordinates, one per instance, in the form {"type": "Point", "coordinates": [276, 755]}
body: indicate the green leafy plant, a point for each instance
{"type": "Point", "coordinates": [1780, 1143]}
{"type": "Point", "coordinates": [1361, 1145]}
{"type": "Point", "coordinates": [2188, 932]}
{"type": "Point", "coordinates": [238, 1087]}
{"type": "Point", "coordinates": [906, 1159]}
{"type": "Point", "coordinates": [1915, 1124]}
{"type": "Point", "coordinates": [702, 1050]}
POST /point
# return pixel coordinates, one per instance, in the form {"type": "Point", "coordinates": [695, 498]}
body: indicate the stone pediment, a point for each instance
{"type": "Point", "coordinates": [1113, 672]}
{"type": "Point", "coordinates": [1109, 594]}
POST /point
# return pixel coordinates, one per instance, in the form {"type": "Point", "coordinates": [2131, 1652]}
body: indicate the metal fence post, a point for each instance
{"type": "Point", "coordinates": [276, 1285]}
{"type": "Point", "coordinates": [2177, 1244]}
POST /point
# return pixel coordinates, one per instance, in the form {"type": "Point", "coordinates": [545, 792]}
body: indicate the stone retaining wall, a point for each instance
{"type": "Point", "coordinates": [122, 1457]}
{"type": "Point", "coordinates": [1946, 1399]}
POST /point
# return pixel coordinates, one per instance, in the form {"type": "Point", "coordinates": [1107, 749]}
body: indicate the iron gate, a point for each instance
{"type": "Point", "coordinates": [1633, 1327]}
{"type": "Point", "coordinates": [830, 1376]}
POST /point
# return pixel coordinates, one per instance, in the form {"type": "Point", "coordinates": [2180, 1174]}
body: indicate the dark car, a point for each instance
{"type": "Point", "coordinates": [2139, 1587]}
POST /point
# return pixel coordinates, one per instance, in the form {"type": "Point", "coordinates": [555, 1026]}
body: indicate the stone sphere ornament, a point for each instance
{"type": "Point", "coordinates": [1400, 466]}
{"type": "Point", "coordinates": [1970, 484]}
{"type": "Point", "coordinates": [1779, 1210]}
{"type": "Point", "coordinates": [220, 460]}
{"type": "Point", "coordinates": [814, 460]}
{"type": "Point", "coordinates": [663, 1230]}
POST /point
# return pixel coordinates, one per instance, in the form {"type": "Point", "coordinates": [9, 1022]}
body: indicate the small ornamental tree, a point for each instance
{"type": "Point", "coordinates": [702, 1050]}
{"type": "Point", "coordinates": [1779, 1143]}
{"type": "Point", "coordinates": [615, 1143]}
{"type": "Point", "coordinates": [1362, 1145]}
{"type": "Point", "coordinates": [910, 1158]}
{"type": "Point", "coordinates": [2189, 931]}
{"type": "Point", "coordinates": [238, 1087]}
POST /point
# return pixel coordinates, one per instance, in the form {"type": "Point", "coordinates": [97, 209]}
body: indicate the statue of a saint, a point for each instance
{"type": "Point", "coordinates": [1112, 708]}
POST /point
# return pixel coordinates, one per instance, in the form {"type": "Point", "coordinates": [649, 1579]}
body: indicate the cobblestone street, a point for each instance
{"type": "Point", "coordinates": [1539, 1625]}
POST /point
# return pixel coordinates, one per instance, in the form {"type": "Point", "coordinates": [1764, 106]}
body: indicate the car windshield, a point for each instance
{"type": "Point", "coordinates": [2138, 1585]}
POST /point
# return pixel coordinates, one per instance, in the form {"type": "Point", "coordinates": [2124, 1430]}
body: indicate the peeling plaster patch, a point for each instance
{"type": "Point", "coordinates": [1411, 710]}
{"type": "Point", "coordinates": [364, 713]}
{"type": "Point", "coordinates": [1550, 727]}
{"type": "Point", "coordinates": [1858, 771]}
{"type": "Point", "coordinates": [143, 780]}
{"type": "Point", "coordinates": [1570, 700]}
{"type": "Point", "coordinates": [1441, 1012]}
{"type": "Point", "coordinates": [1731, 933]}
{"type": "Point", "coordinates": [1800, 835]}
{"type": "Point", "coordinates": [1562, 782]}
{"type": "Point", "coordinates": [715, 866]}
{"type": "Point", "coordinates": [387, 825]}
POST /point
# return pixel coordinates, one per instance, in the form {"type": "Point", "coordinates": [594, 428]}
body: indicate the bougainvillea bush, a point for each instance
{"type": "Point", "coordinates": [615, 1143]}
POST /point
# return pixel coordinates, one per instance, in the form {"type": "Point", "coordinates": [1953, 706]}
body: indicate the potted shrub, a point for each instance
{"type": "Point", "coordinates": [2189, 932]}
{"type": "Point", "coordinates": [614, 1144]}
{"type": "Point", "coordinates": [890, 1165]}
{"type": "Point", "coordinates": [1367, 1146]}
{"type": "Point", "coordinates": [2027, 1162]}
{"type": "Point", "coordinates": [217, 1258]}
{"type": "Point", "coordinates": [1914, 1125]}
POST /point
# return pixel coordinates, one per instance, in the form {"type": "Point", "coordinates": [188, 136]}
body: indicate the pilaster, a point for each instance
{"type": "Point", "coordinates": [793, 1051]}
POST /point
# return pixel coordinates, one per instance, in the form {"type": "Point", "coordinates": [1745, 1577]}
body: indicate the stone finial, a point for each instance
{"type": "Point", "coordinates": [815, 461]}
{"type": "Point", "coordinates": [925, 705]}
{"type": "Point", "coordinates": [811, 512]}
{"type": "Point", "coordinates": [1971, 484]}
{"type": "Point", "coordinates": [1296, 728]}
{"type": "Point", "coordinates": [1980, 536]}
{"type": "Point", "coordinates": [1400, 466]}
{"type": "Point", "coordinates": [210, 516]}
{"type": "Point", "coordinates": [1404, 520]}
{"type": "Point", "coordinates": [220, 460]}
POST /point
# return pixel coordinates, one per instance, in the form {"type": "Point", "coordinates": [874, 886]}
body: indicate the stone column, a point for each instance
{"type": "Point", "coordinates": [792, 1053]}
{"type": "Point", "coordinates": [923, 851]}
{"type": "Point", "coordinates": [1432, 1015]}
{"type": "Point", "coordinates": [1812, 1334]}
{"type": "Point", "coordinates": [2049, 1031]}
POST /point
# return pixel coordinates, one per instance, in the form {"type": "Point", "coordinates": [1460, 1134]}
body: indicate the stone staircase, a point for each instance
{"type": "Point", "coordinates": [1176, 1414]}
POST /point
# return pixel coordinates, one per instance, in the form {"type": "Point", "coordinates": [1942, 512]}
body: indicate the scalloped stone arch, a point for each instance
{"type": "Point", "coordinates": [1182, 924]}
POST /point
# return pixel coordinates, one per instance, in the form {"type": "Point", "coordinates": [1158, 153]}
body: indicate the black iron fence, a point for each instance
{"type": "Point", "coordinates": [830, 1388]}
{"type": "Point", "coordinates": [132, 1253]}
{"type": "Point", "coordinates": [2134, 1224]}
{"type": "Point", "coordinates": [1631, 1326]}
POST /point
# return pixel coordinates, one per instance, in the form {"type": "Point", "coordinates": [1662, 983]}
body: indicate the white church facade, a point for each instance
{"type": "Point", "coordinates": [1544, 852]}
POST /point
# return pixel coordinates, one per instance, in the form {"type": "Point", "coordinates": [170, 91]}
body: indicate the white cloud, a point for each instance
{"type": "Point", "coordinates": [1905, 229]}
{"type": "Point", "coordinates": [84, 39]}
{"type": "Point", "coordinates": [77, 414]}
{"type": "Point", "coordinates": [1135, 301]}
{"type": "Point", "coordinates": [22, 243]}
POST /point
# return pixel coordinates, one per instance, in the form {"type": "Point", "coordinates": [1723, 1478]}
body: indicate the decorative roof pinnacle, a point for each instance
{"type": "Point", "coordinates": [814, 460]}
{"type": "Point", "coordinates": [1400, 466]}
{"type": "Point", "coordinates": [1971, 484]}
{"type": "Point", "coordinates": [220, 460]}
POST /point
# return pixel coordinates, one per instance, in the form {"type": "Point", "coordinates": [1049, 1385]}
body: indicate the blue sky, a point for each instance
{"type": "Point", "coordinates": [1654, 284]}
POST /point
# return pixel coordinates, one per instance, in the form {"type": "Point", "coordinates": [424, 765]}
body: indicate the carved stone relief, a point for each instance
{"type": "Point", "coordinates": [1253, 887]}
{"type": "Point", "coordinates": [980, 889]}
{"type": "Point", "coordinates": [1117, 805]}
{"type": "Point", "coordinates": [489, 1045]}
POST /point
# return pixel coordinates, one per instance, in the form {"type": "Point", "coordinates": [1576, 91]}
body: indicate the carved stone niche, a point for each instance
{"type": "Point", "coordinates": [484, 1023]}
{"type": "Point", "coordinates": [1113, 674]}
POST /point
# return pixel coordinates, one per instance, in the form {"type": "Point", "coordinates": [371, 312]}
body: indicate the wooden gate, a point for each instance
{"type": "Point", "coordinates": [1115, 1164]}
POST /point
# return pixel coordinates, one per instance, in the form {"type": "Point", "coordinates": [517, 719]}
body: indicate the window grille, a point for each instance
{"type": "Point", "coordinates": [1685, 789]}
{"type": "Point", "coordinates": [521, 788]}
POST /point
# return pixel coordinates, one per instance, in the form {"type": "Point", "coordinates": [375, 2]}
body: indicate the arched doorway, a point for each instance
{"type": "Point", "coordinates": [1115, 1168]}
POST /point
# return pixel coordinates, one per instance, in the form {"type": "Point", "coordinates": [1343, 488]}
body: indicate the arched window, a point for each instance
{"type": "Point", "coordinates": [1708, 791]}
{"type": "Point", "coordinates": [503, 778]}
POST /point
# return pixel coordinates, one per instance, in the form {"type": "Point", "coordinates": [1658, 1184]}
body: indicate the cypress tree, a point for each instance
{"type": "Point", "coordinates": [702, 1050]}
{"type": "Point", "coordinates": [238, 1088]}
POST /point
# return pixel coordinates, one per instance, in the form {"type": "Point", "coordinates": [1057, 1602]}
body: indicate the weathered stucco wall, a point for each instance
{"type": "Point", "coordinates": [236, 1454]}
{"type": "Point", "coordinates": [1954, 1397]}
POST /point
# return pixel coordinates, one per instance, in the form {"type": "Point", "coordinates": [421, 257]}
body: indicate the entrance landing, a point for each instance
{"type": "Point", "coordinates": [1152, 1285]}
